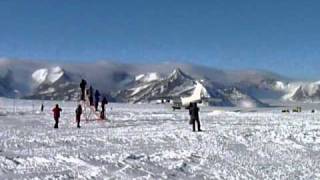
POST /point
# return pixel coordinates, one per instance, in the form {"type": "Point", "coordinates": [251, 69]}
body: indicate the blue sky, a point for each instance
{"type": "Point", "coordinates": [277, 35]}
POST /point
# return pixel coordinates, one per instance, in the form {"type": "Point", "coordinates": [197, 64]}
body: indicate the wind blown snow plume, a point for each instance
{"type": "Point", "coordinates": [47, 75]}
{"type": "Point", "coordinates": [149, 77]}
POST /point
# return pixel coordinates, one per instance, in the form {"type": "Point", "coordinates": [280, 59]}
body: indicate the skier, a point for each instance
{"type": "Point", "coordinates": [194, 116]}
{"type": "Point", "coordinates": [103, 103]}
{"type": "Point", "coordinates": [83, 87]}
{"type": "Point", "coordinates": [78, 115]}
{"type": "Point", "coordinates": [56, 115]}
{"type": "Point", "coordinates": [91, 96]}
{"type": "Point", "coordinates": [97, 98]}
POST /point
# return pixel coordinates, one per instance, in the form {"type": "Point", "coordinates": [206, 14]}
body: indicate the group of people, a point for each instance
{"type": "Point", "coordinates": [84, 93]}
{"type": "Point", "coordinates": [193, 108]}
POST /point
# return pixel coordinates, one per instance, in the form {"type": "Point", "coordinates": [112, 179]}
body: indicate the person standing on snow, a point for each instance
{"type": "Point", "coordinates": [42, 107]}
{"type": "Point", "coordinates": [78, 115]}
{"type": "Point", "coordinates": [56, 115]}
{"type": "Point", "coordinates": [97, 98]}
{"type": "Point", "coordinates": [83, 88]}
{"type": "Point", "coordinates": [91, 96]}
{"type": "Point", "coordinates": [194, 116]}
{"type": "Point", "coordinates": [103, 103]}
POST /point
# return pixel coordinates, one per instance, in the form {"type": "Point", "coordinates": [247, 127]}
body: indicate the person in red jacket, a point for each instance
{"type": "Point", "coordinates": [56, 115]}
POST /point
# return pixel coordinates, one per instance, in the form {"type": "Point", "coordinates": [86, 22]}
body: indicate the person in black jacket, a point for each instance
{"type": "Point", "coordinates": [91, 96]}
{"type": "Point", "coordinates": [78, 115]}
{"type": "Point", "coordinates": [103, 103]}
{"type": "Point", "coordinates": [42, 107]}
{"type": "Point", "coordinates": [83, 88]}
{"type": "Point", "coordinates": [97, 98]}
{"type": "Point", "coordinates": [194, 116]}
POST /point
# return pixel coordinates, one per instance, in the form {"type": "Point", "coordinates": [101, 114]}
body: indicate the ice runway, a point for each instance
{"type": "Point", "coordinates": [154, 142]}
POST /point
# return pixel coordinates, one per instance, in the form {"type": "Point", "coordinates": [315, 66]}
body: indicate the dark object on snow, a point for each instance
{"type": "Point", "coordinates": [83, 88]}
{"type": "Point", "coordinates": [176, 105]}
{"type": "Point", "coordinates": [56, 115]}
{"type": "Point", "coordinates": [91, 96]}
{"type": "Point", "coordinates": [297, 109]}
{"type": "Point", "coordinates": [97, 98]}
{"type": "Point", "coordinates": [285, 111]}
{"type": "Point", "coordinates": [313, 111]}
{"type": "Point", "coordinates": [194, 116]}
{"type": "Point", "coordinates": [78, 115]}
{"type": "Point", "coordinates": [103, 103]}
{"type": "Point", "coordinates": [42, 108]}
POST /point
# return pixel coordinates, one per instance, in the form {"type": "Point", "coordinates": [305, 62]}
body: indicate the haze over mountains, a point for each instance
{"type": "Point", "coordinates": [149, 82]}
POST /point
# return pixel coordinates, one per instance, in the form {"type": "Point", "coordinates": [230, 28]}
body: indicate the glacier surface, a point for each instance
{"type": "Point", "coordinates": [145, 141]}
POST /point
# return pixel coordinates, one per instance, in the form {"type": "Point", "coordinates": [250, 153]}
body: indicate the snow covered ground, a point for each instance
{"type": "Point", "coordinates": [154, 142]}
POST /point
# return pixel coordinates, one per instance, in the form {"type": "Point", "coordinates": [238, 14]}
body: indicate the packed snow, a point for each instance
{"type": "Point", "coordinates": [148, 141]}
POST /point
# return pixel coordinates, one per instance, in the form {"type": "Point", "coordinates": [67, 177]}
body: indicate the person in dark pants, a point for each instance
{"type": "Point", "coordinates": [42, 107]}
{"type": "Point", "coordinates": [83, 88]}
{"type": "Point", "coordinates": [87, 92]}
{"type": "Point", "coordinates": [78, 115]}
{"type": "Point", "coordinates": [56, 115]}
{"type": "Point", "coordinates": [91, 96]}
{"type": "Point", "coordinates": [103, 103]}
{"type": "Point", "coordinates": [194, 116]}
{"type": "Point", "coordinates": [97, 98]}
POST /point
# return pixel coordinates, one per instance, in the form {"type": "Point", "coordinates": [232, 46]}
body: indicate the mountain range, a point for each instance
{"type": "Point", "coordinates": [142, 83]}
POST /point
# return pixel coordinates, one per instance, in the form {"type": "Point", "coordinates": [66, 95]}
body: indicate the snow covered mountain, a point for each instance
{"type": "Point", "coordinates": [295, 91]}
{"type": "Point", "coordinates": [6, 85]}
{"type": "Point", "coordinates": [53, 83]}
{"type": "Point", "coordinates": [234, 97]}
{"type": "Point", "coordinates": [303, 92]}
{"type": "Point", "coordinates": [144, 83]}
{"type": "Point", "coordinates": [178, 85]}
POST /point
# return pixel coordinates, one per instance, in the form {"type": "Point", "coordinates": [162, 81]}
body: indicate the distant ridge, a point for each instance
{"type": "Point", "coordinates": [130, 82]}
